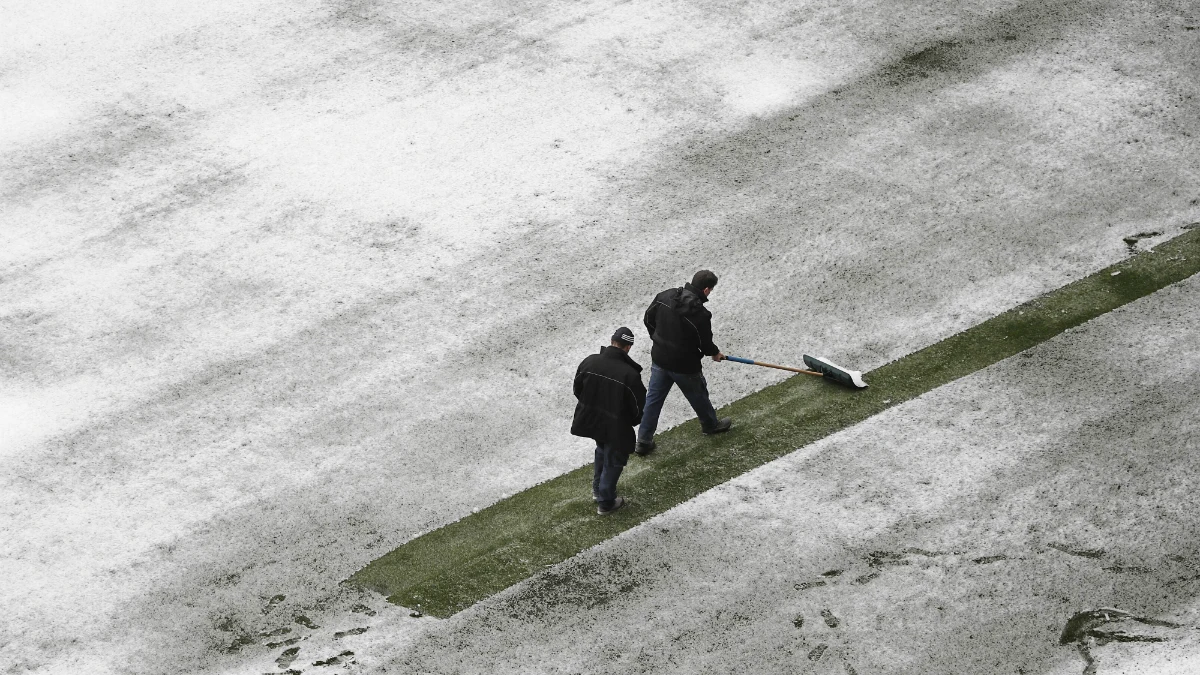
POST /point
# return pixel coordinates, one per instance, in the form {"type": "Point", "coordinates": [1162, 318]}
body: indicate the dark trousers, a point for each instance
{"type": "Point", "coordinates": [695, 390]}
{"type": "Point", "coordinates": [609, 465]}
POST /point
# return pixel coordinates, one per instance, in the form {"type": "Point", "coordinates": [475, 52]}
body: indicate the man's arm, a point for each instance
{"type": "Point", "coordinates": [638, 392]}
{"type": "Point", "coordinates": [578, 388]}
{"type": "Point", "coordinates": [651, 317]}
{"type": "Point", "coordinates": [703, 324]}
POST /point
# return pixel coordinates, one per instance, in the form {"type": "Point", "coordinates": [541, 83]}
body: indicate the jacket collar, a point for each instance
{"type": "Point", "coordinates": [619, 354]}
{"type": "Point", "coordinates": [698, 292]}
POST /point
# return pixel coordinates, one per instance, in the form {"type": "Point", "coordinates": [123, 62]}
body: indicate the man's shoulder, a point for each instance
{"type": "Point", "coordinates": [693, 305]}
{"type": "Point", "coordinates": [608, 361]}
{"type": "Point", "coordinates": [629, 367]}
{"type": "Point", "coordinates": [669, 294]}
{"type": "Point", "coordinates": [616, 368]}
{"type": "Point", "coordinates": [589, 361]}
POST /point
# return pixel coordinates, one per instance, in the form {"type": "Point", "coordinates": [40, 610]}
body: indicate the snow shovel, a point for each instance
{"type": "Point", "coordinates": [820, 367]}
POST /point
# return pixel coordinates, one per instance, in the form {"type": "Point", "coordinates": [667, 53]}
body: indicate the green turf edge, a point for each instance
{"type": "Point", "coordinates": [452, 568]}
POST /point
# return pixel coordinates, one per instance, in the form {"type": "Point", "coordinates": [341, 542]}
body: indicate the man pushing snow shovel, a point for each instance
{"type": "Point", "coordinates": [681, 329]}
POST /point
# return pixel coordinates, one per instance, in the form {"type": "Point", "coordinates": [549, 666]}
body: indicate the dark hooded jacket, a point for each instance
{"type": "Point", "coordinates": [681, 329]}
{"type": "Point", "coordinates": [611, 398]}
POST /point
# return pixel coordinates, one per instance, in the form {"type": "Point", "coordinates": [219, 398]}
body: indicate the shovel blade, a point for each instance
{"type": "Point", "coordinates": [850, 378]}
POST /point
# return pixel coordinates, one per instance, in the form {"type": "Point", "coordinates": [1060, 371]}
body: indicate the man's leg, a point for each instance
{"type": "Point", "coordinates": [656, 394]}
{"type": "Point", "coordinates": [695, 389]}
{"type": "Point", "coordinates": [607, 472]}
{"type": "Point", "coordinates": [597, 472]}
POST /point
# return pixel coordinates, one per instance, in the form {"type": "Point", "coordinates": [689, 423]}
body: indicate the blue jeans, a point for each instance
{"type": "Point", "coordinates": [695, 390]}
{"type": "Point", "coordinates": [608, 470]}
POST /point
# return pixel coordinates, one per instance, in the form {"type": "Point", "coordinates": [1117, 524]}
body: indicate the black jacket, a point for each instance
{"type": "Point", "coordinates": [611, 398]}
{"type": "Point", "coordinates": [681, 329]}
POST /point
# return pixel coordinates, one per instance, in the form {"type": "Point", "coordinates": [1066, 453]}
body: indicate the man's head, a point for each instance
{"type": "Point", "coordinates": [704, 280]}
{"type": "Point", "coordinates": [623, 339]}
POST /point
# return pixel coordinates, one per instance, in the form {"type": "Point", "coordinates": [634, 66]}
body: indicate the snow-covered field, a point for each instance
{"type": "Point", "coordinates": [283, 285]}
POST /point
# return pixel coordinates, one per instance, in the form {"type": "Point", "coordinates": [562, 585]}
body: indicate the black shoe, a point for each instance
{"type": "Point", "coordinates": [723, 425]}
{"type": "Point", "coordinates": [643, 449]}
{"type": "Point", "coordinates": [617, 503]}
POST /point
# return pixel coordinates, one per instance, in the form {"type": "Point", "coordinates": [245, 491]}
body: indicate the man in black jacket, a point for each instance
{"type": "Point", "coordinates": [681, 329]}
{"type": "Point", "coordinates": [611, 398]}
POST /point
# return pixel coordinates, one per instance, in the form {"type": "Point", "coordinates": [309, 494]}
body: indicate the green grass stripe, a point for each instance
{"type": "Point", "coordinates": [451, 568]}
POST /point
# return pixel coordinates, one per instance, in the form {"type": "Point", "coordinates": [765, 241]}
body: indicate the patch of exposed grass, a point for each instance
{"type": "Point", "coordinates": [451, 568]}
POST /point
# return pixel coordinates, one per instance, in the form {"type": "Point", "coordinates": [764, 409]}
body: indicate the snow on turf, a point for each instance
{"type": "Point", "coordinates": [283, 285]}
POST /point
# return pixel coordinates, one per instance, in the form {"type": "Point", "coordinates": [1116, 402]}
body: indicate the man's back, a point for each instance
{"type": "Point", "coordinates": [681, 329]}
{"type": "Point", "coordinates": [610, 392]}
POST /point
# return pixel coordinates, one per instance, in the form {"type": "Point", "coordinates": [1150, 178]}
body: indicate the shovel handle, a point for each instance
{"type": "Point", "coordinates": [752, 362]}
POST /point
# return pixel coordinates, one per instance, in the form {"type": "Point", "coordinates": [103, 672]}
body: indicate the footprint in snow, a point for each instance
{"type": "Point", "coordinates": [285, 659]}
{"type": "Point", "coordinates": [306, 622]}
{"type": "Point", "coordinates": [830, 619]}
{"type": "Point", "coordinates": [273, 602]}
{"type": "Point", "coordinates": [344, 657]}
{"type": "Point", "coordinates": [353, 631]}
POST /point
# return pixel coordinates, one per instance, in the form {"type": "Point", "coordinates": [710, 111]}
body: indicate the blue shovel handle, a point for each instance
{"type": "Point", "coordinates": [752, 362]}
